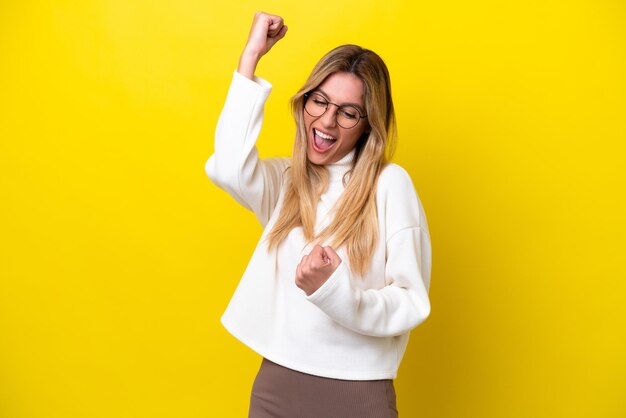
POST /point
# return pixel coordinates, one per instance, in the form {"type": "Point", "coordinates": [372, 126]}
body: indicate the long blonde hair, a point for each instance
{"type": "Point", "coordinates": [355, 222]}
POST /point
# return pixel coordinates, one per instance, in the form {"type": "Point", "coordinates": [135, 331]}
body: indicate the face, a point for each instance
{"type": "Point", "coordinates": [327, 142]}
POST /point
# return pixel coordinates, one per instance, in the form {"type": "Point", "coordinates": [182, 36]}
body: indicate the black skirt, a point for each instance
{"type": "Point", "coordinates": [280, 392]}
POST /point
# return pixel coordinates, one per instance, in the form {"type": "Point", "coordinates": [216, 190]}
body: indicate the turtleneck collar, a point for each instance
{"type": "Point", "coordinates": [337, 169]}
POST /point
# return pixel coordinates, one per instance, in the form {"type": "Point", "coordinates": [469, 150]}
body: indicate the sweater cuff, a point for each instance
{"type": "Point", "coordinates": [257, 80]}
{"type": "Point", "coordinates": [338, 280]}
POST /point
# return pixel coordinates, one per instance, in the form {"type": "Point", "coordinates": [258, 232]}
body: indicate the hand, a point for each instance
{"type": "Point", "coordinates": [314, 269]}
{"type": "Point", "coordinates": [266, 30]}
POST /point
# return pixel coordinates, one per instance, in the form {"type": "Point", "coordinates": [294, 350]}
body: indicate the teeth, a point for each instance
{"type": "Point", "coordinates": [322, 135]}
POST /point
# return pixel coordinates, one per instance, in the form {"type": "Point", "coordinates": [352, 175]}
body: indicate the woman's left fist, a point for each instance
{"type": "Point", "coordinates": [314, 269]}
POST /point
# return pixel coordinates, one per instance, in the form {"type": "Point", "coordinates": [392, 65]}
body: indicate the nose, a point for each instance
{"type": "Point", "coordinates": [329, 118]}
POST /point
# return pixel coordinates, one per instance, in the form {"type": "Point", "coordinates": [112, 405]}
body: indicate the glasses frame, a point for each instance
{"type": "Point", "coordinates": [328, 102]}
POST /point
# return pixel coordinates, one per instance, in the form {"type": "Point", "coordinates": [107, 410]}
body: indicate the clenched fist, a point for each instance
{"type": "Point", "coordinates": [266, 30]}
{"type": "Point", "coordinates": [315, 268]}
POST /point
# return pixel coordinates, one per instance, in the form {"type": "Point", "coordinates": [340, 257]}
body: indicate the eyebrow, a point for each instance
{"type": "Point", "coordinates": [358, 106]}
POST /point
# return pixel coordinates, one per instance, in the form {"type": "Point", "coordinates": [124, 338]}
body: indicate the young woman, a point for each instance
{"type": "Point", "coordinates": [342, 270]}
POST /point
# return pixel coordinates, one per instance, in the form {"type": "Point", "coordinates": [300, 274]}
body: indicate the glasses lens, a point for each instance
{"type": "Point", "coordinates": [348, 116]}
{"type": "Point", "coordinates": [316, 105]}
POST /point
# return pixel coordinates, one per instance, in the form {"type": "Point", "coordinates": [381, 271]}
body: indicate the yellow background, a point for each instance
{"type": "Point", "coordinates": [118, 255]}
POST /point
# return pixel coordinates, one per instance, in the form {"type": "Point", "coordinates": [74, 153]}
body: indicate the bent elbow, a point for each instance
{"type": "Point", "coordinates": [422, 312]}
{"type": "Point", "coordinates": [209, 169]}
{"type": "Point", "coordinates": [221, 176]}
{"type": "Point", "coordinates": [425, 312]}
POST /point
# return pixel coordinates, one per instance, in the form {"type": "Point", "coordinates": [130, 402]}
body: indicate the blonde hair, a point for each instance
{"type": "Point", "coordinates": [355, 223]}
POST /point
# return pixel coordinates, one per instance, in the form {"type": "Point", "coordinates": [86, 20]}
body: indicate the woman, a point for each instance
{"type": "Point", "coordinates": [342, 270]}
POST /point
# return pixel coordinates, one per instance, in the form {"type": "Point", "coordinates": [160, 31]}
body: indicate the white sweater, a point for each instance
{"type": "Point", "coordinates": [353, 327]}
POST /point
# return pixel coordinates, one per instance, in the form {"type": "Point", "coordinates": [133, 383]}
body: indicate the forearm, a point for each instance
{"type": "Point", "coordinates": [389, 311]}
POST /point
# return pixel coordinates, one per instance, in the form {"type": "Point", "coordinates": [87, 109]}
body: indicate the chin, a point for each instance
{"type": "Point", "coordinates": [316, 160]}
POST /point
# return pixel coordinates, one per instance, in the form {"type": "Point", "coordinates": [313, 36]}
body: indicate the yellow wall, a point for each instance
{"type": "Point", "coordinates": [118, 255]}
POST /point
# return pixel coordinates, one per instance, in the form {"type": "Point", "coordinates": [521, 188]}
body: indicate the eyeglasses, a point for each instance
{"type": "Point", "coordinates": [347, 116]}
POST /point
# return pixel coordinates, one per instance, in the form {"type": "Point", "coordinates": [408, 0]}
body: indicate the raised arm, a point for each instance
{"type": "Point", "coordinates": [235, 165]}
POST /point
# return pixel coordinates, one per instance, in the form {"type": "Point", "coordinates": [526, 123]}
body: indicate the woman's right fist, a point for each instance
{"type": "Point", "coordinates": [266, 30]}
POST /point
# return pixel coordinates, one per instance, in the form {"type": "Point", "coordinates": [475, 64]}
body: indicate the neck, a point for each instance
{"type": "Point", "coordinates": [337, 169]}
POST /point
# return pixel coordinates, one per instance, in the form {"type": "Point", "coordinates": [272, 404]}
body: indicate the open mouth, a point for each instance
{"type": "Point", "coordinates": [322, 141]}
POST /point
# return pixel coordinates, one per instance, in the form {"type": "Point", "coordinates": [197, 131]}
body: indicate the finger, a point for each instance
{"type": "Point", "coordinates": [281, 34]}
{"type": "Point", "coordinates": [324, 257]}
{"type": "Point", "coordinates": [332, 255]}
{"type": "Point", "coordinates": [274, 26]}
{"type": "Point", "coordinates": [276, 22]}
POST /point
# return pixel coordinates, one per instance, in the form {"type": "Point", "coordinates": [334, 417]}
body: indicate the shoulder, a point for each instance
{"type": "Point", "coordinates": [394, 179]}
{"type": "Point", "coordinates": [397, 199]}
{"type": "Point", "coordinates": [394, 171]}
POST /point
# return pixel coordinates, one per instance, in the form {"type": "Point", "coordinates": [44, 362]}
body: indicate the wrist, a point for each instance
{"type": "Point", "coordinates": [248, 62]}
{"type": "Point", "coordinates": [250, 57]}
{"type": "Point", "coordinates": [251, 54]}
